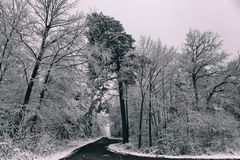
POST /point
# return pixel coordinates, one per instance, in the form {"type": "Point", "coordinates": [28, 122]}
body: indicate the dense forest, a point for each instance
{"type": "Point", "coordinates": [59, 69]}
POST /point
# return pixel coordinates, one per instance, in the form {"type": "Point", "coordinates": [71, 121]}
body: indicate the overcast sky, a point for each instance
{"type": "Point", "coordinates": [170, 20]}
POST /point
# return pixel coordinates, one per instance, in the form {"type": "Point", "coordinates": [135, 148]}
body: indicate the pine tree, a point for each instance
{"type": "Point", "coordinates": [109, 33]}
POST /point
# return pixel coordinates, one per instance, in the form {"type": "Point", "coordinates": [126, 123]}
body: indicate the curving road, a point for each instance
{"type": "Point", "coordinates": [98, 151]}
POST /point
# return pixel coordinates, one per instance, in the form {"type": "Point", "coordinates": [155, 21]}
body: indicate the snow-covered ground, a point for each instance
{"type": "Point", "coordinates": [123, 149]}
{"type": "Point", "coordinates": [63, 153]}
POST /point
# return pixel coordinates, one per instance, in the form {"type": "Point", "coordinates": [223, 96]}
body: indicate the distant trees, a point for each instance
{"type": "Point", "coordinates": [152, 59]}
{"type": "Point", "coordinates": [143, 61]}
{"type": "Point", "coordinates": [160, 58]}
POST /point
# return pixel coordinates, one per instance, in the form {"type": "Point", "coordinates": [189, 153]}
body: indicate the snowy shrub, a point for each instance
{"type": "Point", "coordinates": [9, 151]}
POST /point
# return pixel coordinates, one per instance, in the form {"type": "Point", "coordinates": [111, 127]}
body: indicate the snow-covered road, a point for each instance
{"type": "Point", "coordinates": [99, 151]}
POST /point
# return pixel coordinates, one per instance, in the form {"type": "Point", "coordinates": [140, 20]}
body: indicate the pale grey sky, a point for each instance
{"type": "Point", "coordinates": [170, 20]}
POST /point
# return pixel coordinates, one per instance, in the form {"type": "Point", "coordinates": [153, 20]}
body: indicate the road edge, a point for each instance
{"type": "Point", "coordinates": [112, 149]}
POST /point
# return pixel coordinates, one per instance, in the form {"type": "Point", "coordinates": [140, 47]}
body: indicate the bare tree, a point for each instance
{"type": "Point", "coordinates": [64, 53]}
{"type": "Point", "coordinates": [50, 23]}
{"type": "Point", "coordinates": [144, 47]}
{"type": "Point", "coordinates": [159, 57]}
{"type": "Point", "coordinates": [201, 55]}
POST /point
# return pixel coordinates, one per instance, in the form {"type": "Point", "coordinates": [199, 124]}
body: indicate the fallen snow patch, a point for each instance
{"type": "Point", "coordinates": [122, 149]}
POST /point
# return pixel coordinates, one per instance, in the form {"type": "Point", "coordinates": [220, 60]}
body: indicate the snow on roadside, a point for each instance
{"type": "Point", "coordinates": [123, 149]}
{"type": "Point", "coordinates": [63, 153]}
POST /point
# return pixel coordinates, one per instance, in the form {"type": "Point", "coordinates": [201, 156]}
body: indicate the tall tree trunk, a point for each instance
{"type": "Point", "coordinates": [35, 69]}
{"type": "Point", "coordinates": [126, 104]}
{"type": "Point", "coordinates": [21, 114]}
{"type": "Point", "coordinates": [150, 114]}
{"type": "Point", "coordinates": [122, 104]}
{"type": "Point", "coordinates": [46, 80]}
{"type": "Point", "coordinates": [164, 101]}
{"type": "Point", "coordinates": [31, 83]}
{"type": "Point", "coordinates": [140, 122]}
{"type": "Point", "coordinates": [170, 91]}
{"type": "Point", "coordinates": [32, 80]}
{"type": "Point", "coordinates": [163, 87]}
{"type": "Point", "coordinates": [141, 108]}
{"type": "Point", "coordinates": [123, 112]}
{"type": "Point", "coordinates": [187, 125]}
{"type": "Point", "coordinates": [3, 69]}
{"type": "Point", "coordinates": [159, 120]}
{"type": "Point", "coordinates": [195, 90]}
{"type": "Point", "coordinates": [5, 49]}
{"type": "Point", "coordinates": [3, 53]}
{"type": "Point", "coordinates": [165, 119]}
{"type": "Point", "coordinates": [155, 122]}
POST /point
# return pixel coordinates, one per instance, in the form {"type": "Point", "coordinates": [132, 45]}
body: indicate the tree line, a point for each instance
{"type": "Point", "coordinates": [58, 69]}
